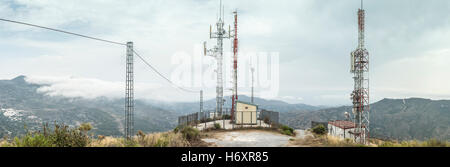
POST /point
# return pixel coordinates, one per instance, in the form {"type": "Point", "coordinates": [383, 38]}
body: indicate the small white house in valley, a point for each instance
{"type": "Point", "coordinates": [245, 113]}
{"type": "Point", "coordinates": [342, 129]}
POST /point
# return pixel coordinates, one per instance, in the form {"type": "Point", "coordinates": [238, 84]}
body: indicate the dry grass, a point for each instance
{"type": "Point", "coordinates": [4, 143]}
{"type": "Point", "coordinates": [324, 141]}
{"type": "Point", "coordinates": [414, 143]}
{"type": "Point", "coordinates": [331, 141]}
{"type": "Point", "coordinates": [166, 139]}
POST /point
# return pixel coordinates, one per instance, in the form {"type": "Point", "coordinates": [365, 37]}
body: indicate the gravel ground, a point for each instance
{"type": "Point", "coordinates": [248, 138]}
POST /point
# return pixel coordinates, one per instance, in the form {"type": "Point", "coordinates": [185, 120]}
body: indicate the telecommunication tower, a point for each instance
{"type": "Point", "coordinates": [360, 94]}
{"type": "Point", "coordinates": [217, 52]}
{"type": "Point", "coordinates": [129, 93]}
{"type": "Point", "coordinates": [234, 97]}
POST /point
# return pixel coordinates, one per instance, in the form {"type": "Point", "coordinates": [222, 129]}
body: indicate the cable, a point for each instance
{"type": "Point", "coordinates": [161, 75]}
{"type": "Point", "coordinates": [103, 40]}
{"type": "Point", "coordinates": [62, 31]}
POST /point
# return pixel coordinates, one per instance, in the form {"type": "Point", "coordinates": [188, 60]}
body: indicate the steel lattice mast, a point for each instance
{"type": "Point", "coordinates": [235, 52]}
{"type": "Point", "coordinates": [360, 94]}
{"type": "Point", "coordinates": [129, 93]}
{"type": "Point", "coordinates": [217, 52]}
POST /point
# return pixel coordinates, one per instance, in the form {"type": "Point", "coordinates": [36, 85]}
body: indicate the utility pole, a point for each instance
{"type": "Point", "coordinates": [129, 93]}
{"type": "Point", "coordinates": [217, 53]}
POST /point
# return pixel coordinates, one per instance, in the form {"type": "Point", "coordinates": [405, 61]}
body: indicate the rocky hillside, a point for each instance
{"type": "Point", "coordinates": [23, 106]}
{"type": "Point", "coordinates": [404, 119]}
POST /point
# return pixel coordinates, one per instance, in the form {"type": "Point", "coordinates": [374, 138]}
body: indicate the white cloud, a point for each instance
{"type": "Point", "coordinates": [314, 39]}
{"type": "Point", "coordinates": [70, 86]}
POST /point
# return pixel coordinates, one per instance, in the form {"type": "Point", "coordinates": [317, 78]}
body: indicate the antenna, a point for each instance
{"type": "Point", "coordinates": [217, 52]}
{"type": "Point", "coordinates": [360, 95]}
{"type": "Point", "coordinates": [220, 9]}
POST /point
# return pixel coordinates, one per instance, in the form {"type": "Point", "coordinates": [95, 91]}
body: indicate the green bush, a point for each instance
{"type": "Point", "coordinates": [320, 130]}
{"type": "Point", "coordinates": [33, 140]}
{"type": "Point", "coordinates": [287, 130]}
{"type": "Point", "coordinates": [216, 126]}
{"type": "Point", "coordinates": [61, 136]}
{"type": "Point", "coordinates": [190, 133]}
{"type": "Point", "coordinates": [177, 129]}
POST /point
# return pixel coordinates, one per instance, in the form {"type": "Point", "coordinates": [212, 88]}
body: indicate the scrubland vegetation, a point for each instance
{"type": "Point", "coordinates": [182, 136]}
{"type": "Point", "coordinates": [65, 136]}
{"type": "Point", "coordinates": [319, 138]}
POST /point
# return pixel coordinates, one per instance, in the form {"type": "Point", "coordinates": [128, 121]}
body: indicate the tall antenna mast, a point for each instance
{"type": "Point", "coordinates": [360, 95]}
{"type": "Point", "coordinates": [217, 53]}
{"type": "Point", "coordinates": [234, 79]}
{"type": "Point", "coordinates": [129, 93]}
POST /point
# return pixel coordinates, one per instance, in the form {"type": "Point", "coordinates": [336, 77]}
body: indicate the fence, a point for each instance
{"type": "Point", "coordinates": [269, 117]}
{"type": "Point", "coordinates": [205, 116]}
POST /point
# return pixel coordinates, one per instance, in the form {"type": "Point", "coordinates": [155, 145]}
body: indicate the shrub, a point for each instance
{"type": "Point", "coordinates": [33, 140]}
{"type": "Point", "coordinates": [287, 130]}
{"type": "Point", "coordinates": [319, 129]}
{"type": "Point", "coordinates": [61, 136]}
{"type": "Point", "coordinates": [177, 129]}
{"type": "Point", "coordinates": [216, 126]}
{"type": "Point", "coordinates": [190, 133]}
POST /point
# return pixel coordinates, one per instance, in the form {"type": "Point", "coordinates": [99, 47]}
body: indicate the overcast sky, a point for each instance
{"type": "Point", "coordinates": [408, 42]}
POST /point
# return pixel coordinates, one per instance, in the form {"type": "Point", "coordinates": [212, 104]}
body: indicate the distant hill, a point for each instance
{"type": "Point", "coordinates": [23, 106]}
{"type": "Point", "coordinates": [403, 119]}
{"type": "Point", "coordinates": [210, 105]}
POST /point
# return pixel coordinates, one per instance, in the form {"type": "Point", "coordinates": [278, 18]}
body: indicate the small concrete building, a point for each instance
{"type": "Point", "coordinates": [245, 113]}
{"type": "Point", "coordinates": [342, 129]}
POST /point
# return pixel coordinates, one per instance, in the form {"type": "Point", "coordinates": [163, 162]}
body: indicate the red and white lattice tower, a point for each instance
{"type": "Point", "coordinates": [360, 94]}
{"type": "Point", "coordinates": [234, 79]}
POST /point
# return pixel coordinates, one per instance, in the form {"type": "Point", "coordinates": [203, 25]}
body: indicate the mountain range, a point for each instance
{"type": "Point", "coordinates": [24, 108]}
{"type": "Point", "coordinates": [400, 119]}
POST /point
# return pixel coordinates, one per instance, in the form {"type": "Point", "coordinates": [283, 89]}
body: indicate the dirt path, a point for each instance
{"type": "Point", "coordinates": [248, 138]}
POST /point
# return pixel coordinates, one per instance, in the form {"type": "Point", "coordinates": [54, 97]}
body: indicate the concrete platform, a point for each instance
{"type": "Point", "coordinates": [225, 124]}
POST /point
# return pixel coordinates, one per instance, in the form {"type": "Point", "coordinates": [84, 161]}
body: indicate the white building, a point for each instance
{"type": "Point", "coordinates": [246, 113]}
{"type": "Point", "coordinates": [342, 129]}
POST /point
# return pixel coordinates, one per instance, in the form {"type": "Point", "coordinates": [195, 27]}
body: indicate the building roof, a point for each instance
{"type": "Point", "coordinates": [247, 103]}
{"type": "Point", "coordinates": [343, 124]}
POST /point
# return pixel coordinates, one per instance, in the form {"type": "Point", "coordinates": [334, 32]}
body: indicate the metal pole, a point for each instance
{"type": "Point", "coordinates": [253, 79]}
